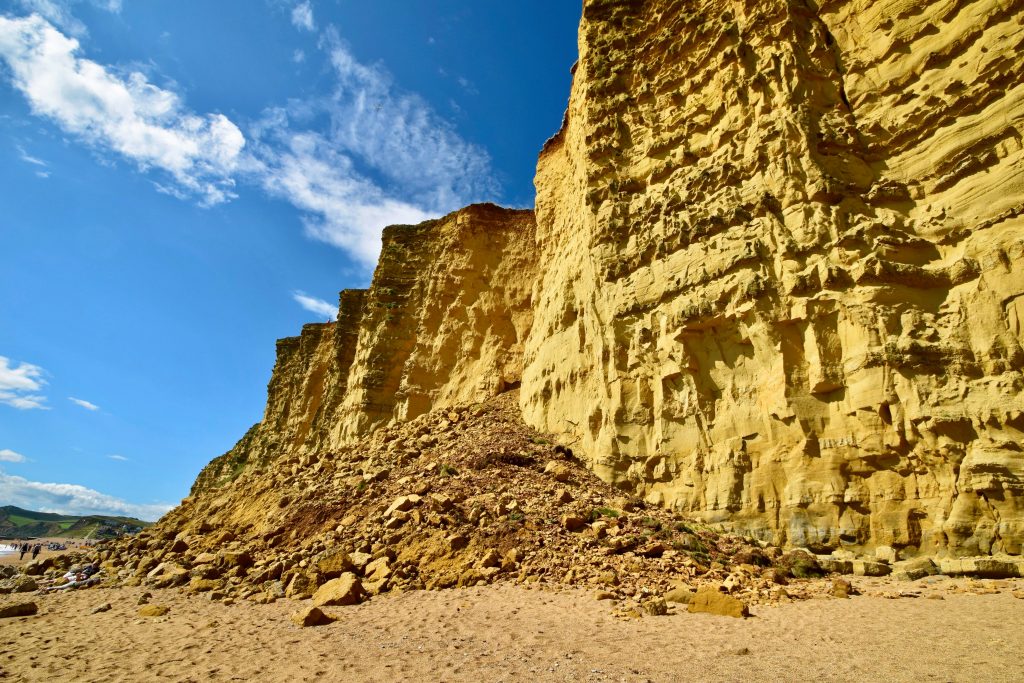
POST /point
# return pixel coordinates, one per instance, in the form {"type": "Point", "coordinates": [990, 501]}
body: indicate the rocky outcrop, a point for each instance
{"type": "Point", "coordinates": [781, 267]}
{"type": "Point", "coordinates": [442, 324]}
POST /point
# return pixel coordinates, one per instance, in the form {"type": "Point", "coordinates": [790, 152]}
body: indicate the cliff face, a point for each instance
{"type": "Point", "coordinates": [775, 279]}
{"type": "Point", "coordinates": [781, 267]}
{"type": "Point", "coordinates": [442, 324]}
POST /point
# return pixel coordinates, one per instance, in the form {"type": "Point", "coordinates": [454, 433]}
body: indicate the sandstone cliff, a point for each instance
{"type": "Point", "coordinates": [774, 282]}
{"type": "Point", "coordinates": [442, 324]}
{"type": "Point", "coordinates": [781, 267]}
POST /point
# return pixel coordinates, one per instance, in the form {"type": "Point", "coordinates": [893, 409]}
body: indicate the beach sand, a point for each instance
{"type": "Point", "coordinates": [7, 558]}
{"type": "Point", "coordinates": [507, 633]}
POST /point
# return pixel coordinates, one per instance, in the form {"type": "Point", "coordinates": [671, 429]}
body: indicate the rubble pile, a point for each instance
{"type": "Point", "coordinates": [464, 497]}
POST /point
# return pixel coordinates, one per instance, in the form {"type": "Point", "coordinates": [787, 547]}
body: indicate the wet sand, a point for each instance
{"type": "Point", "coordinates": [505, 633]}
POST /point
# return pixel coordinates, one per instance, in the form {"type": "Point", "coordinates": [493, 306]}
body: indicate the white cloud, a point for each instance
{"type": "Point", "coordinates": [346, 209]}
{"type": "Point", "coordinates": [387, 158]}
{"type": "Point", "coordinates": [298, 56]}
{"type": "Point", "coordinates": [59, 12]}
{"type": "Point", "coordinates": [302, 16]}
{"type": "Point", "coordinates": [83, 403]}
{"type": "Point", "coordinates": [314, 305]}
{"type": "Point", "coordinates": [29, 159]}
{"type": "Point", "coordinates": [366, 156]}
{"type": "Point", "coordinates": [399, 135]}
{"type": "Point", "coordinates": [120, 112]}
{"type": "Point", "coordinates": [7, 455]}
{"type": "Point", "coordinates": [120, 458]}
{"type": "Point", "coordinates": [72, 499]}
{"type": "Point", "coordinates": [20, 385]}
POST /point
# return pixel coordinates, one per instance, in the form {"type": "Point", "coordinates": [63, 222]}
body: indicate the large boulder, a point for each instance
{"type": "Point", "coordinates": [311, 616]}
{"type": "Point", "coordinates": [799, 564]}
{"type": "Point", "coordinates": [710, 600]}
{"type": "Point", "coordinates": [344, 590]}
{"type": "Point", "coordinates": [333, 563]}
{"type": "Point", "coordinates": [912, 570]}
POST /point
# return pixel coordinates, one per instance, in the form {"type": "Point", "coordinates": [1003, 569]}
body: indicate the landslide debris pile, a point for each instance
{"type": "Point", "coordinates": [464, 497]}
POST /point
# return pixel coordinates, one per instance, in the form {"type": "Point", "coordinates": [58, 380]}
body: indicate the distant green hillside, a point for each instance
{"type": "Point", "coordinates": [20, 523]}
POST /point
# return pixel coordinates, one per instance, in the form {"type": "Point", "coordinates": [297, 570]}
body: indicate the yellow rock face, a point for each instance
{"type": "Point", "coordinates": [775, 279]}
{"type": "Point", "coordinates": [442, 324]}
{"type": "Point", "coordinates": [781, 264]}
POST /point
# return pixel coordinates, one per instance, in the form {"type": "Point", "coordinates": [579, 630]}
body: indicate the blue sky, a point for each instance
{"type": "Point", "coordinates": [186, 181]}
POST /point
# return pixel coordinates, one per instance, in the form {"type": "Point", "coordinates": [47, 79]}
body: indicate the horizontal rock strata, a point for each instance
{"type": "Point", "coordinates": [781, 270]}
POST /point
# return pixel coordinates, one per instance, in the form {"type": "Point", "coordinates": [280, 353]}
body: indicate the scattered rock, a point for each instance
{"type": "Point", "coordinates": [841, 588]}
{"type": "Point", "coordinates": [799, 564]}
{"type": "Point", "coordinates": [153, 610]}
{"type": "Point", "coordinates": [18, 609]}
{"type": "Point", "coordinates": [710, 600]}
{"type": "Point", "coordinates": [573, 522]}
{"type": "Point", "coordinates": [558, 471]}
{"type": "Point", "coordinates": [656, 607]}
{"type": "Point", "coordinates": [311, 616]}
{"type": "Point", "coordinates": [105, 607]}
{"type": "Point", "coordinates": [680, 595]}
{"type": "Point", "coordinates": [345, 590]}
{"type": "Point", "coordinates": [912, 570]}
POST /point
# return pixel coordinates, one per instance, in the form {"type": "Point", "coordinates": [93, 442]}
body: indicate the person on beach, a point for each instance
{"type": "Point", "coordinates": [36, 549]}
{"type": "Point", "coordinates": [87, 577]}
{"type": "Point", "coordinates": [24, 549]}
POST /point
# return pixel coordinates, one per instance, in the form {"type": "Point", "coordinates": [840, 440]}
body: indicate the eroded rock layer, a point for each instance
{"type": "Point", "coordinates": [442, 324]}
{"type": "Point", "coordinates": [782, 260]}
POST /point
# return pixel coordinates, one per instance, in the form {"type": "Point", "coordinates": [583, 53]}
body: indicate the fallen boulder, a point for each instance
{"type": "Point", "coordinates": [710, 600]}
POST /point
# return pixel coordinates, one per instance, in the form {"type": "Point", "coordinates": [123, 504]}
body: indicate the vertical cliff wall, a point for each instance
{"type": "Point", "coordinates": [780, 267]}
{"type": "Point", "coordinates": [443, 323]}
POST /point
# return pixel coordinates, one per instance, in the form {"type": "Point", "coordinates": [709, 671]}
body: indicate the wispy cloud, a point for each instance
{"type": "Point", "coordinates": [314, 305]}
{"type": "Point", "coordinates": [20, 385]}
{"type": "Point", "coordinates": [59, 12]}
{"type": "Point", "coordinates": [72, 499]}
{"type": "Point", "coordinates": [387, 157]}
{"type": "Point", "coordinates": [302, 16]}
{"type": "Point", "coordinates": [115, 456]}
{"type": "Point", "coordinates": [365, 156]}
{"type": "Point", "coordinates": [299, 56]}
{"type": "Point", "coordinates": [121, 112]}
{"type": "Point", "coordinates": [7, 455]}
{"type": "Point", "coordinates": [29, 159]}
{"type": "Point", "coordinates": [83, 403]}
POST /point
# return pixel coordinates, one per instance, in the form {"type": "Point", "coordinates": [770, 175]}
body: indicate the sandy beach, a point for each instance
{"type": "Point", "coordinates": [11, 557]}
{"type": "Point", "coordinates": [504, 633]}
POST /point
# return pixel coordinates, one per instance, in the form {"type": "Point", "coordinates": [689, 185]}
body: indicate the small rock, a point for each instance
{"type": "Point", "coordinates": [456, 542]}
{"type": "Point", "coordinates": [144, 598]}
{"type": "Point", "coordinates": [572, 522]}
{"type": "Point", "coordinates": [153, 610]}
{"type": "Point", "coordinates": [604, 595]}
{"type": "Point", "coordinates": [105, 607]}
{"type": "Point", "coordinates": [18, 609]}
{"type": "Point", "coordinates": [491, 559]}
{"type": "Point", "coordinates": [402, 504]}
{"type": "Point", "coordinates": [656, 607]}
{"type": "Point", "coordinates": [680, 594]}
{"type": "Point", "coordinates": [912, 570]}
{"type": "Point", "coordinates": [562, 496]}
{"type": "Point", "coordinates": [841, 588]}
{"type": "Point", "coordinates": [558, 471]}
